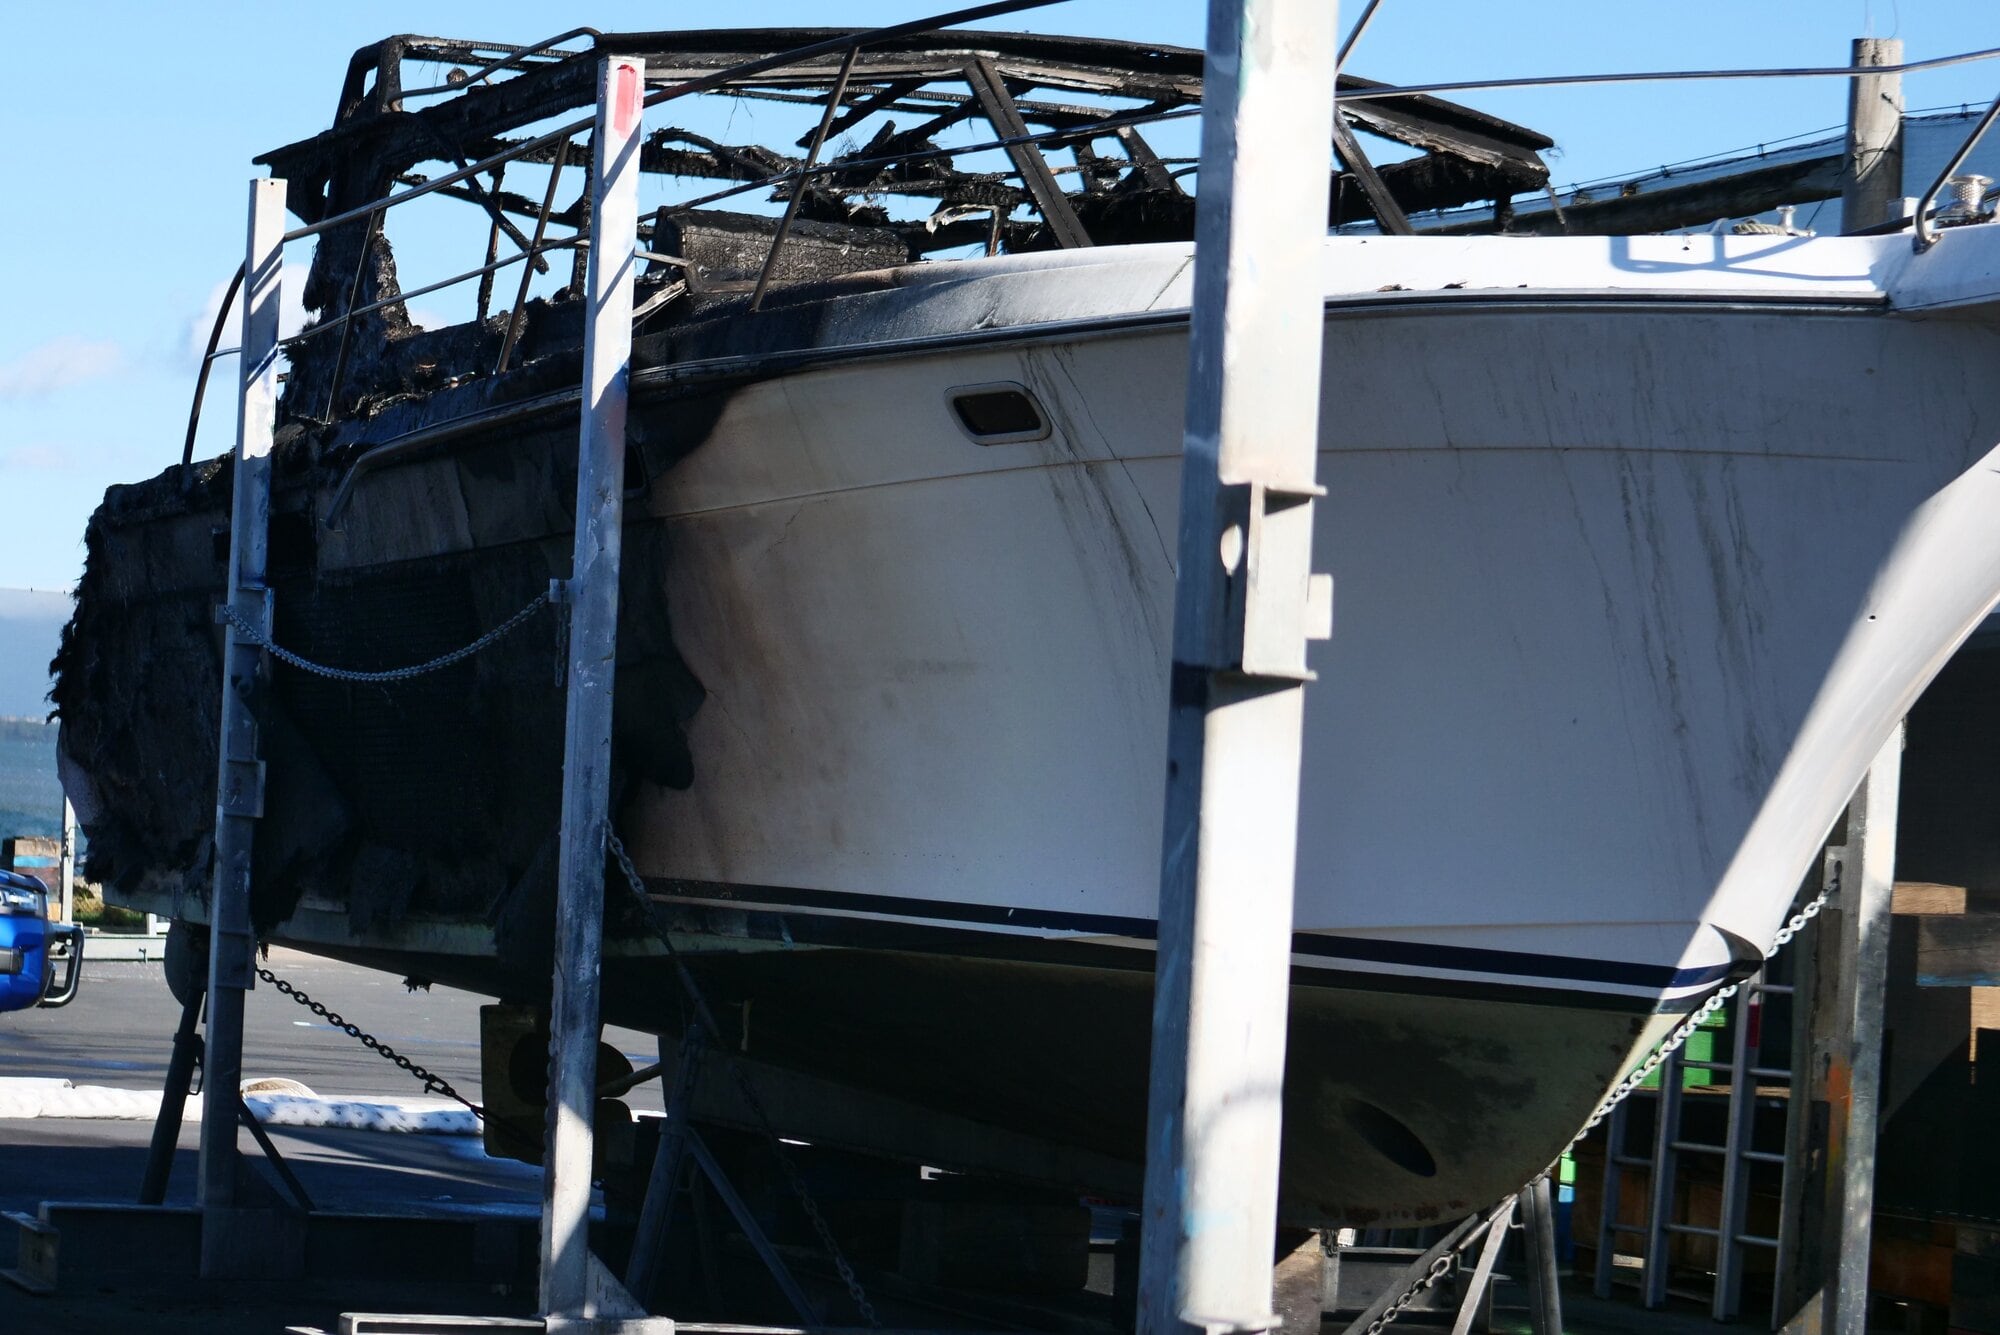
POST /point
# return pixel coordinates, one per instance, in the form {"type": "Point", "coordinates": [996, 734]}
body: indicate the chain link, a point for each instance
{"type": "Point", "coordinates": [796, 1179]}
{"type": "Point", "coordinates": [1439, 1269]}
{"type": "Point", "coordinates": [1798, 920]}
{"type": "Point", "coordinates": [256, 635]}
{"type": "Point", "coordinates": [1625, 1088]}
{"type": "Point", "coordinates": [1442, 1267]}
{"type": "Point", "coordinates": [1685, 1030]}
{"type": "Point", "coordinates": [432, 1082]}
{"type": "Point", "coordinates": [435, 1083]}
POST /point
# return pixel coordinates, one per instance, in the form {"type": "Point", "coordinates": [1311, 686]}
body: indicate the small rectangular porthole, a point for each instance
{"type": "Point", "coordinates": [999, 413]}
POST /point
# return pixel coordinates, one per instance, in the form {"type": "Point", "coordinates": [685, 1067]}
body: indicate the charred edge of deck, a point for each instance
{"type": "Point", "coordinates": [438, 794]}
{"type": "Point", "coordinates": [377, 139]}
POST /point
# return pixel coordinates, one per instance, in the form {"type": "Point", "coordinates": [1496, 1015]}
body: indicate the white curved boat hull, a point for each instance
{"type": "Point", "coordinates": [1642, 546]}
{"type": "Point", "coordinates": [1630, 592]}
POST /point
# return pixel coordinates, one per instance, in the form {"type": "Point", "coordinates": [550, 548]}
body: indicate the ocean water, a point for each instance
{"type": "Point", "coordinates": [30, 796]}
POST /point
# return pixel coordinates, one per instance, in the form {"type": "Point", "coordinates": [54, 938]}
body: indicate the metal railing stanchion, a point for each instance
{"type": "Point", "coordinates": [575, 1286]}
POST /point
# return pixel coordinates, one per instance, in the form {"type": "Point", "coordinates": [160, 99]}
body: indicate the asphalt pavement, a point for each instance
{"type": "Point", "coordinates": [119, 1034]}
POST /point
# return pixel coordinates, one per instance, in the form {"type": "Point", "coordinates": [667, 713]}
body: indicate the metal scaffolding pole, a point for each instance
{"type": "Point", "coordinates": [1830, 1201]}
{"type": "Point", "coordinates": [228, 1248]}
{"type": "Point", "coordinates": [573, 1286]}
{"type": "Point", "coordinates": [1245, 606]}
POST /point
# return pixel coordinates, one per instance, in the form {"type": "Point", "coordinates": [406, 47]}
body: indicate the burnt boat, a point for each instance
{"type": "Point", "coordinates": [1617, 635]}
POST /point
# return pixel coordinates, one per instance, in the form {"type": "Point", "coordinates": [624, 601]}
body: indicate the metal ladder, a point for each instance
{"type": "Point", "coordinates": [1731, 1235]}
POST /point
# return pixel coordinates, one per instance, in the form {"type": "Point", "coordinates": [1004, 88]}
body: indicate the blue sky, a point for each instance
{"type": "Point", "coordinates": [130, 129]}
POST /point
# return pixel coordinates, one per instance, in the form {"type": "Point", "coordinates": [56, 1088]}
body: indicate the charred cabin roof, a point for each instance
{"type": "Point", "coordinates": [940, 140]}
{"type": "Point", "coordinates": [380, 130]}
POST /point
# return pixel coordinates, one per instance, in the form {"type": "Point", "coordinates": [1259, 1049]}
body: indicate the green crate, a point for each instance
{"type": "Point", "coordinates": [1703, 1045]}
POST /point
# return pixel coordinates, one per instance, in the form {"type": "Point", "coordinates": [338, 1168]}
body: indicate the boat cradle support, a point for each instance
{"type": "Point", "coordinates": [1442, 1268]}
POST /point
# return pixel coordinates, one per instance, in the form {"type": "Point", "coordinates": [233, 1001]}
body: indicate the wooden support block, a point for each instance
{"type": "Point", "coordinates": [1927, 897]}
{"type": "Point", "coordinates": [1958, 950]}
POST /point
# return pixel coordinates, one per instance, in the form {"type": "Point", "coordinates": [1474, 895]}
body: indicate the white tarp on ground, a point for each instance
{"type": "Point", "coordinates": [274, 1103]}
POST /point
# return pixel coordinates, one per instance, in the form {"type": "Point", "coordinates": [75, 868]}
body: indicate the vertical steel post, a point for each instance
{"type": "Point", "coordinates": [566, 1275]}
{"type": "Point", "coordinates": [1245, 604]}
{"type": "Point", "coordinates": [1874, 179]}
{"type": "Point", "coordinates": [66, 866]}
{"type": "Point", "coordinates": [1539, 1238]}
{"type": "Point", "coordinates": [1827, 1217]}
{"type": "Point", "coordinates": [1867, 887]}
{"type": "Point", "coordinates": [239, 799]}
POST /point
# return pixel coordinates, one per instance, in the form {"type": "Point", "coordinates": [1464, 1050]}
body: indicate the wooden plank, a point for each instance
{"type": "Point", "coordinates": [1985, 1020]}
{"type": "Point", "coordinates": [1958, 950]}
{"type": "Point", "coordinates": [1927, 897]}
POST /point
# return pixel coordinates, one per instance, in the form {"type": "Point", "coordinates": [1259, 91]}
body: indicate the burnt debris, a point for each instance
{"type": "Point", "coordinates": [930, 145]}
{"type": "Point", "coordinates": [935, 142]}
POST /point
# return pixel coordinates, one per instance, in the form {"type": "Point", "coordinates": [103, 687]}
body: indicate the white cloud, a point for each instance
{"type": "Point", "coordinates": [291, 314]}
{"type": "Point", "coordinates": [40, 458]}
{"type": "Point", "coordinates": [61, 363]}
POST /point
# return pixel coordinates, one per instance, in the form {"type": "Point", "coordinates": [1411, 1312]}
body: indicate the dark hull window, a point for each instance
{"type": "Point", "coordinates": [999, 413]}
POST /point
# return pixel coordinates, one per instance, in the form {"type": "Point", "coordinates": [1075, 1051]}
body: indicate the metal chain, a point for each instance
{"type": "Point", "coordinates": [1685, 1030]}
{"type": "Point", "coordinates": [1441, 1267]}
{"type": "Point", "coordinates": [249, 631]}
{"type": "Point", "coordinates": [1438, 1271]}
{"type": "Point", "coordinates": [706, 1018]}
{"type": "Point", "coordinates": [1624, 1090]}
{"type": "Point", "coordinates": [432, 1082]}
{"type": "Point", "coordinates": [1797, 922]}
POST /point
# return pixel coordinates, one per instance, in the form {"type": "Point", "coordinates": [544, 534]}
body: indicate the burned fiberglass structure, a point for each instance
{"type": "Point", "coordinates": [920, 146]}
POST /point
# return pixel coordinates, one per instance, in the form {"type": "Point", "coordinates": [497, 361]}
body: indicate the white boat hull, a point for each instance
{"type": "Point", "coordinates": [1627, 599]}
{"type": "Point", "coordinates": [1642, 546]}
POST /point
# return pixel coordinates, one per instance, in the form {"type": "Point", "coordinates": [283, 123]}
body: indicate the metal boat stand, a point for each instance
{"type": "Point", "coordinates": [244, 1228]}
{"type": "Point", "coordinates": [1416, 1284]}
{"type": "Point", "coordinates": [1830, 1132]}
{"type": "Point", "coordinates": [679, 1140]}
{"type": "Point", "coordinates": [1833, 1105]}
{"type": "Point", "coordinates": [186, 978]}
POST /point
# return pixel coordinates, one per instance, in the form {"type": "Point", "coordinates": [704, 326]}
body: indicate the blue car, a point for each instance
{"type": "Point", "coordinates": [28, 940]}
